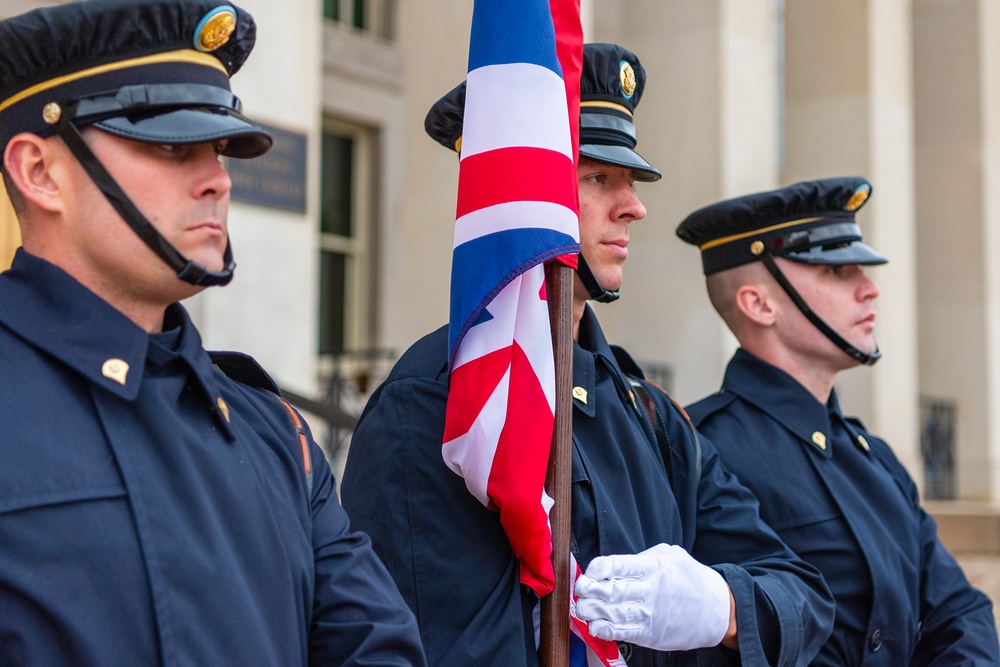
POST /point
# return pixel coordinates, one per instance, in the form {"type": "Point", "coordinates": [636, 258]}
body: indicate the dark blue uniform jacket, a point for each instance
{"type": "Point", "coordinates": [160, 515]}
{"type": "Point", "coordinates": [453, 564]}
{"type": "Point", "coordinates": [839, 497]}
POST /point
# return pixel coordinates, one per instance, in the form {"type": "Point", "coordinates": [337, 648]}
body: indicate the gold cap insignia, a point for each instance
{"type": "Point", "coordinates": [51, 113]}
{"type": "Point", "coordinates": [820, 440]}
{"type": "Point", "coordinates": [223, 408]}
{"type": "Point", "coordinates": [215, 28]}
{"type": "Point", "coordinates": [580, 394]}
{"type": "Point", "coordinates": [115, 369]}
{"type": "Point", "coordinates": [859, 197]}
{"type": "Point", "coordinates": [756, 248]}
{"type": "Point", "coordinates": [627, 76]}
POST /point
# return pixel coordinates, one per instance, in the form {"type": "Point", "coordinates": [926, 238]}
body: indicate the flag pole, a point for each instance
{"type": "Point", "coordinates": [554, 649]}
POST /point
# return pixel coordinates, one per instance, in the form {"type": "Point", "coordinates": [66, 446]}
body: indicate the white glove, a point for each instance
{"type": "Point", "coordinates": [661, 598]}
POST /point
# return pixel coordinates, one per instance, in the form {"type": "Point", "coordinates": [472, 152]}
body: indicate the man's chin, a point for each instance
{"type": "Point", "coordinates": [867, 345]}
{"type": "Point", "coordinates": [210, 261]}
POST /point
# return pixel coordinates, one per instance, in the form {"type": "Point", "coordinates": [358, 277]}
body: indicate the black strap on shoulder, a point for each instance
{"type": "Point", "coordinates": [643, 388]}
{"type": "Point", "coordinates": [655, 420]}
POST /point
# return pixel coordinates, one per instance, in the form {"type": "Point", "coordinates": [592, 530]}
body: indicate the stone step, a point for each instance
{"type": "Point", "coordinates": [967, 527]}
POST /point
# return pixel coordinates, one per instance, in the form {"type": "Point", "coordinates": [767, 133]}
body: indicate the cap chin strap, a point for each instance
{"type": "Point", "coordinates": [187, 270]}
{"type": "Point", "coordinates": [597, 293]}
{"type": "Point", "coordinates": [825, 329]}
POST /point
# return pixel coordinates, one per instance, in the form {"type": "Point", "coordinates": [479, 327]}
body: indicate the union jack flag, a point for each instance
{"type": "Point", "coordinates": [517, 208]}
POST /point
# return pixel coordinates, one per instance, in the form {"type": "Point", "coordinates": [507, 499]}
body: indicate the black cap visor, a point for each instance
{"type": "Point", "coordinates": [855, 252]}
{"type": "Point", "coordinates": [621, 156]}
{"type": "Point", "coordinates": [192, 126]}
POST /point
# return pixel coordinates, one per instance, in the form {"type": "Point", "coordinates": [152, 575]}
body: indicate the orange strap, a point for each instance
{"type": "Point", "coordinates": [303, 443]}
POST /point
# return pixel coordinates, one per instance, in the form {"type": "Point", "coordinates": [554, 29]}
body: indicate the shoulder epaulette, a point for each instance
{"type": "Point", "coordinates": [626, 362]}
{"type": "Point", "coordinates": [243, 368]}
{"type": "Point", "coordinates": [857, 422]}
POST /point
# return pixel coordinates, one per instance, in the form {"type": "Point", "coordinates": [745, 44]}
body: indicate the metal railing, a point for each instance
{"type": "Point", "coordinates": [351, 378]}
{"type": "Point", "coordinates": [937, 447]}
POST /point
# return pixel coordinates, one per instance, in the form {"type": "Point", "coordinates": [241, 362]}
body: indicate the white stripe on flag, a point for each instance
{"type": "Point", "coordinates": [533, 319]}
{"type": "Point", "coordinates": [517, 104]}
{"type": "Point", "coordinates": [516, 215]}
{"type": "Point", "coordinates": [471, 455]}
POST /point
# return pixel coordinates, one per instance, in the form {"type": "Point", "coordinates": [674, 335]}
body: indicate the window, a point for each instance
{"type": "Point", "coordinates": [370, 16]}
{"type": "Point", "coordinates": [347, 215]}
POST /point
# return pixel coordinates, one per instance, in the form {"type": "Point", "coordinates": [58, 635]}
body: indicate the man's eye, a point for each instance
{"type": "Point", "coordinates": [172, 149]}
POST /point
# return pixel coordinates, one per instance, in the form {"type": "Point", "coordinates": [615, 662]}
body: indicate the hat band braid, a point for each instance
{"type": "Point", "coordinates": [180, 56]}
{"type": "Point", "coordinates": [606, 128]}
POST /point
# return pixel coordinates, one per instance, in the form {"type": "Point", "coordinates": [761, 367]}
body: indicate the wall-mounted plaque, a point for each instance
{"type": "Point", "coordinates": [276, 179]}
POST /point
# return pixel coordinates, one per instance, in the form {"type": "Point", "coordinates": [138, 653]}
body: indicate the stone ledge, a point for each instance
{"type": "Point", "coordinates": [967, 527]}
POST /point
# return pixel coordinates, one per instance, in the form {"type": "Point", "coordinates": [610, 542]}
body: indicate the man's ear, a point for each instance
{"type": "Point", "coordinates": [29, 161]}
{"type": "Point", "coordinates": [756, 304]}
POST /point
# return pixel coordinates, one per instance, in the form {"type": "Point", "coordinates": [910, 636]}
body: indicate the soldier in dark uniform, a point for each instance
{"type": "Point", "coordinates": [640, 482]}
{"type": "Point", "coordinates": [786, 272]}
{"type": "Point", "coordinates": [158, 505]}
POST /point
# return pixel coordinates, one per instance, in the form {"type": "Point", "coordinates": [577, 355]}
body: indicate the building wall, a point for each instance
{"type": "Point", "coordinates": [742, 95]}
{"type": "Point", "coordinates": [269, 310]}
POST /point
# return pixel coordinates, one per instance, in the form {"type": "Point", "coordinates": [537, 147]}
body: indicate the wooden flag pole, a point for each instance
{"type": "Point", "coordinates": [554, 650]}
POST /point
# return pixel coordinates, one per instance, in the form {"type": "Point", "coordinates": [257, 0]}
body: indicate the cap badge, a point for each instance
{"type": "Point", "coordinates": [115, 369]}
{"type": "Point", "coordinates": [756, 248]}
{"type": "Point", "coordinates": [627, 76]}
{"type": "Point", "coordinates": [858, 198]}
{"type": "Point", "coordinates": [215, 28]}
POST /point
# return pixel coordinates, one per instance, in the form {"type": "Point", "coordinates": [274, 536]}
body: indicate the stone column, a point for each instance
{"type": "Point", "coordinates": [848, 110]}
{"type": "Point", "coordinates": [708, 121]}
{"type": "Point", "coordinates": [957, 97]}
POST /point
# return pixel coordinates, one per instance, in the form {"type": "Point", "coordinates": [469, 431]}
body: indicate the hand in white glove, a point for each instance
{"type": "Point", "coordinates": [661, 598]}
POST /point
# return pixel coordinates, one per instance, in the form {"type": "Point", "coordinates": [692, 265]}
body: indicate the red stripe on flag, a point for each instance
{"type": "Point", "coordinates": [569, 50]}
{"type": "Point", "coordinates": [518, 474]}
{"type": "Point", "coordinates": [471, 385]}
{"type": "Point", "coordinates": [519, 173]}
{"type": "Point", "coordinates": [605, 649]}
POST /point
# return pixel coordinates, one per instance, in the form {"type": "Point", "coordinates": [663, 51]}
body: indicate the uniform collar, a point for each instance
{"type": "Point", "coordinates": [44, 305]}
{"type": "Point", "coordinates": [590, 349]}
{"type": "Point", "coordinates": [51, 310]}
{"type": "Point", "coordinates": [778, 394]}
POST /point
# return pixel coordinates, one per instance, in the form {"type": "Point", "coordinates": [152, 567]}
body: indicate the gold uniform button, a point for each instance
{"type": "Point", "coordinates": [223, 408]}
{"type": "Point", "coordinates": [820, 440]}
{"type": "Point", "coordinates": [51, 113]}
{"type": "Point", "coordinates": [580, 394]}
{"type": "Point", "coordinates": [115, 369]}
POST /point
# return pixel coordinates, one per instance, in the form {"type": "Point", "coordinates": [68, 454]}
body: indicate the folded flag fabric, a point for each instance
{"type": "Point", "coordinates": [517, 208]}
